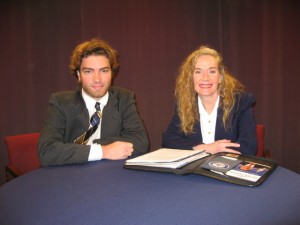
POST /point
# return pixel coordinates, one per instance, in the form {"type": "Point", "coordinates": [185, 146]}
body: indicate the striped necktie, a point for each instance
{"type": "Point", "coordinates": [94, 123]}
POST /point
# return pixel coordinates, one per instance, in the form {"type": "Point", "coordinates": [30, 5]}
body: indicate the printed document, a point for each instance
{"type": "Point", "coordinates": [167, 158]}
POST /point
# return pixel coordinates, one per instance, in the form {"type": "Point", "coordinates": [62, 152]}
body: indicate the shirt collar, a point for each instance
{"type": "Point", "coordinates": [202, 109]}
{"type": "Point", "coordinates": [90, 102]}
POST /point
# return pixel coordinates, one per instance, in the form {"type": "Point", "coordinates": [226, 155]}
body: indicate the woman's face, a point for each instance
{"type": "Point", "coordinates": [206, 77]}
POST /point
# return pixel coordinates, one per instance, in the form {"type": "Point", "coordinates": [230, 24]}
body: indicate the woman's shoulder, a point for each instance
{"type": "Point", "coordinates": [244, 94]}
{"type": "Point", "coordinates": [245, 98]}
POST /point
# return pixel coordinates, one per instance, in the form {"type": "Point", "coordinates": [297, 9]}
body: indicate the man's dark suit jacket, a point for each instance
{"type": "Point", "coordinates": [243, 129]}
{"type": "Point", "coordinates": [68, 118]}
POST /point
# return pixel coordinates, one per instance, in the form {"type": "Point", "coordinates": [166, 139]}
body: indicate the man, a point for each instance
{"type": "Point", "coordinates": [72, 133]}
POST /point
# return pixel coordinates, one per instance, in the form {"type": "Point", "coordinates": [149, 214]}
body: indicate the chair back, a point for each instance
{"type": "Point", "coordinates": [22, 152]}
{"type": "Point", "coordinates": [260, 133]}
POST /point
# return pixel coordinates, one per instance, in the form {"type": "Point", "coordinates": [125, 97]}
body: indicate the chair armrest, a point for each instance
{"type": "Point", "coordinates": [11, 172]}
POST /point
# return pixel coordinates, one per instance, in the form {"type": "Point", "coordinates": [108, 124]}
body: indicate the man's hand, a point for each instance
{"type": "Point", "coordinates": [117, 150]}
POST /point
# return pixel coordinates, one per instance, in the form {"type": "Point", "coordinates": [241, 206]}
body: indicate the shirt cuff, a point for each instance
{"type": "Point", "coordinates": [95, 152]}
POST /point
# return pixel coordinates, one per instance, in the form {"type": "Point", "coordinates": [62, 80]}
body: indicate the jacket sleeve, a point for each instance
{"type": "Point", "coordinates": [244, 123]}
{"type": "Point", "coordinates": [174, 138]}
{"type": "Point", "coordinates": [121, 122]}
{"type": "Point", "coordinates": [55, 146]}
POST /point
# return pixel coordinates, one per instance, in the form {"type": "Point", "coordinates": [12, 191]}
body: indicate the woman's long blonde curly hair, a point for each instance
{"type": "Point", "coordinates": [187, 96]}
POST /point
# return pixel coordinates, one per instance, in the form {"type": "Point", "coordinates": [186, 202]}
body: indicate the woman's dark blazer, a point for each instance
{"type": "Point", "coordinates": [243, 129]}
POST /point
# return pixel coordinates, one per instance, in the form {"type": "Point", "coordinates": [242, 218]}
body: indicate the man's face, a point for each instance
{"type": "Point", "coordinates": [95, 75]}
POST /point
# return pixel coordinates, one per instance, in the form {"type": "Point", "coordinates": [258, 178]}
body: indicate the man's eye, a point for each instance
{"type": "Point", "coordinates": [105, 70]}
{"type": "Point", "coordinates": [87, 72]}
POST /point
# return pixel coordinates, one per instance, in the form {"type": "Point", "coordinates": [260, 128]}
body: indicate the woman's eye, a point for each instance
{"type": "Point", "coordinates": [212, 72]}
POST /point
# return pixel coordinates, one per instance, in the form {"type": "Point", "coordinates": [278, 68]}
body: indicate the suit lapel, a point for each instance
{"type": "Point", "coordinates": [110, 114]}
{"type": "Point", "coordinates": [219, 132]}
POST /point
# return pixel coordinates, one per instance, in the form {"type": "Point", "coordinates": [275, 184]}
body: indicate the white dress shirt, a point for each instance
{"type": "Point", "coordinates": [96, 149]}
{"type": "Point", "coordinates": [208, 122]}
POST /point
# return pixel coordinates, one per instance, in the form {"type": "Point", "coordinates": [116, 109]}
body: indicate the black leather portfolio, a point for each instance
{"type": "Point", "coordinates": [234, 168]}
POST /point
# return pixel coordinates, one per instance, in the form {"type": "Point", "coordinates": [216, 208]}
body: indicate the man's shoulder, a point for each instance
{"type": "Point", "coordinates": [120, 91]}
{"type": "Point", "coordinates": [66, 96]}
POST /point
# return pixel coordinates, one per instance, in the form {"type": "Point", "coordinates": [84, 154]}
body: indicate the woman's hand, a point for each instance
{"type": "Point", "coordinates": [219, 146]}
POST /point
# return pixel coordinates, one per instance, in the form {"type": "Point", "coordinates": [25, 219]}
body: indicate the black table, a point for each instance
{"type": "Point", "coordinates": [107, 194]}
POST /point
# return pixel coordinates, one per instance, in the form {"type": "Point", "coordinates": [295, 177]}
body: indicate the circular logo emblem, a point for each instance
{"type": "Point", "coordinates": [219, 165]}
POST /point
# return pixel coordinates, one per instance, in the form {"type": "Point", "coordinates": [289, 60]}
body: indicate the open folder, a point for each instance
{"type": "Point", "coordinates": [167, 158]}
{"type": "Point", "coordinates": [234, 168]}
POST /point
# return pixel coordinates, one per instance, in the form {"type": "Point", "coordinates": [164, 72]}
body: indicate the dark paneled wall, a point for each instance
{"type": "Point", "coordinates": [259, 41]}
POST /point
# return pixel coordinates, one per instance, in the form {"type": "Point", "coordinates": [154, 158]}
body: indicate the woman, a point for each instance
{"type": "Point", "coordinates": [214, 113]}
